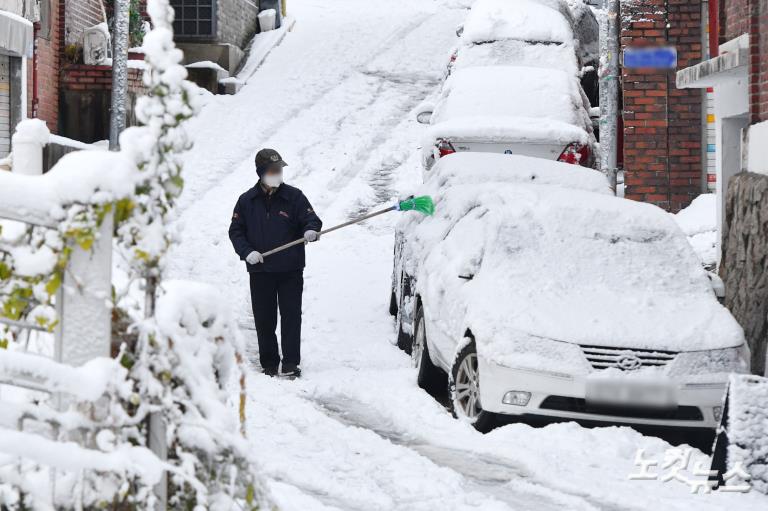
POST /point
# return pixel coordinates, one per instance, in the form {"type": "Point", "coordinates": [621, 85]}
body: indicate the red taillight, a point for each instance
{"type": "Point", "coordinates": [444, 148]}
{"type": "Point", "coordinates": [575, 154]}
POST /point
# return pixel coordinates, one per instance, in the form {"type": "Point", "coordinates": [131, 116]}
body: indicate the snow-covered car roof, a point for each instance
{"type": "Point", "coordinates": [511, 52]}
{"type": "Point", "coordinates": [510, 102]}
{"type": "Point", "coordinates": [550, 260]}
{"type": "Point", "coordinates": [525, 20]}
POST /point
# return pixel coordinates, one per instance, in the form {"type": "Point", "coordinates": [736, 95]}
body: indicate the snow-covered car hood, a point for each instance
{"type": "Point", "coordinates": [547, 260]}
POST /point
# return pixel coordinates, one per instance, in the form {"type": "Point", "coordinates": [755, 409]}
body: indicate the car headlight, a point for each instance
{"type": "Point", "coordinates": [727, 360]}
{"type": "Point", "coordinates": [537, 354]}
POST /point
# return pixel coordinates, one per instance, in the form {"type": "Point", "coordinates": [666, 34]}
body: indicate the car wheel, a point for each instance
{"type": "Point", "coordinates": [464, 390]}
{"type": "Point", "coordinates": [430, 377]}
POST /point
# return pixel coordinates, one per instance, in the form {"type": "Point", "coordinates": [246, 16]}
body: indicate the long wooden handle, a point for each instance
{"type": "Point", "coordinates": [330, 229]}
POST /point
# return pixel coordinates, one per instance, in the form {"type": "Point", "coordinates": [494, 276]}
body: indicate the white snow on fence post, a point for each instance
{"type": "Point", "coordinates": [28, 140]}
{"type": "Point", "coordinates": [84, 329]}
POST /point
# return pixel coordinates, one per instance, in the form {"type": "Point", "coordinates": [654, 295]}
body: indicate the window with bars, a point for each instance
{"type": "Point", "coordinates": [194, 18]}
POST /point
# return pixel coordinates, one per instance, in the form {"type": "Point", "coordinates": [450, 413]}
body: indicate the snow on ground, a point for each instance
{"type": "Point", "coordinates": [336, 99]}
{"type": "Point", "coordinates": [699, 222]}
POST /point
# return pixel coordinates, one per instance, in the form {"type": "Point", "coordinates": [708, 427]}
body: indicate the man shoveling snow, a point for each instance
{"type": "Point", "coordinates": [268, 215]}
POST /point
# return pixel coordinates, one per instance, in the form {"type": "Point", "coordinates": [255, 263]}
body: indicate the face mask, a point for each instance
{"type": "Point", "coordinates": [273, 180]}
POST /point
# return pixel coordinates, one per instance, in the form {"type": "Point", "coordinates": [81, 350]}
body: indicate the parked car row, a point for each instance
{"type": "Point", "coordinates": [514, 85]}
{"type": "Point", "coordinates": [534, 292]}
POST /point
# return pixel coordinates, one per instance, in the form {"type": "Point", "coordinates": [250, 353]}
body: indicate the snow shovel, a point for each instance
{"type": "Point", "coordinates": [423, 204]}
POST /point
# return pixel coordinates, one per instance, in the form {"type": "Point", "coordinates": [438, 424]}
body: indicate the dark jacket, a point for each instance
{"type": "Point", "coordinates": [262, 222]}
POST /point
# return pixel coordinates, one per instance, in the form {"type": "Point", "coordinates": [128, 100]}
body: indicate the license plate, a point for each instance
{"type": "Point", "coordinates": [631, 392]}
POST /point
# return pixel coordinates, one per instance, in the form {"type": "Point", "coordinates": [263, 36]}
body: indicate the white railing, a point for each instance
{"type": "Point", "coordinates": [83, 331]}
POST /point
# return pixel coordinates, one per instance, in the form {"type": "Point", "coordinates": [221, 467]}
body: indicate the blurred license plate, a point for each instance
{"type": "Point", "coordinates": [632, 393]}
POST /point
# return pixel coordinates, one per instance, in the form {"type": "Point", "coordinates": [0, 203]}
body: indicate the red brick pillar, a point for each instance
{"type": "Point", "coordinates": [662, 124]}
{"type": "Point", "coordinates": [48, 60]}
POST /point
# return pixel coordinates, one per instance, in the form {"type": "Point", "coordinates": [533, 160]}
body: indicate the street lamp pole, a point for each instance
{"type": "Point", "coordinates": [609, 89]}
{"type": "Point", "coordinates": [117, 118]}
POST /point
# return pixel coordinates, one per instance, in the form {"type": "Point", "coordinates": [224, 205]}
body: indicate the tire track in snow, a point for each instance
{"type": "Point", "coordinates": [218, 164]}
{"type": "Point", "coordinates": [492, 475]}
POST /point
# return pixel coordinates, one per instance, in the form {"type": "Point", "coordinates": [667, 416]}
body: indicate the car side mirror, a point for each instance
{"type": "Point", "coordinates": [424, 117]}
{"type": "Point", "coordinates": [718, 286]}
{"type": "Point", "coordinates": [459, 30]}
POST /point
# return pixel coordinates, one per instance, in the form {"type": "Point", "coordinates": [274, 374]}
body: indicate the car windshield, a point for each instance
{"type": "Point", "coordinates": [512, 52]}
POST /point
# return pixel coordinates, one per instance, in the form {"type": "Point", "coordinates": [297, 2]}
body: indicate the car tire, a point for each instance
{"type": "Point", "coordinates": [430, 377]}
{"type": "Point", "coordinates": [404, 339]}
{"type": "Point", "coordinates": [464, 390]}
{"type": "Point", "coordinates": [393, 304]}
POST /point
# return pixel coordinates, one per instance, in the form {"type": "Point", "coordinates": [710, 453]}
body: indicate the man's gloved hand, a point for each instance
{"type": "Point", "coordinates": [254, 258]}
{"type": "Point", "coordinates": [311, 236]}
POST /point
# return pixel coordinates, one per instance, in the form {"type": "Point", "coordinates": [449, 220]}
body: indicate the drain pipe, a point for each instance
{"type": "Point", "coordinates": [609, 89]}
{"type": "Point", "coordinates": [35, 96]}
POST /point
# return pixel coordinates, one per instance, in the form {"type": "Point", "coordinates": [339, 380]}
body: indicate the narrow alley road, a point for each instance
{"type": "Point", "coordinates": [336, 98]}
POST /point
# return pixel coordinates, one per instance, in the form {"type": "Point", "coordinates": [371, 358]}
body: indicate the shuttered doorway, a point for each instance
{"type": "Point", "coordinates": [5, 105]}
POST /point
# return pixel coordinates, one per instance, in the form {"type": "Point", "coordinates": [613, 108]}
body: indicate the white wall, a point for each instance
{"type": "Point", "coordinates": [17, 7]}
{"type": "Point", "coordinates": [756, 151]}
{"type": "Point", "coordinates": [731, 116]}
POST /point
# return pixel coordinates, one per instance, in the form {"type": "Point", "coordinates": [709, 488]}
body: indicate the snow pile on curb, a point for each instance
{"type": "Point", "coordinates": [699, 222]}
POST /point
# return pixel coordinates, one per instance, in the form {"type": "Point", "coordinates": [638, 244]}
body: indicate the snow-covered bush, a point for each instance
{"type": "Point", "coordinates": [90, 450]}
{"type": "Point", "coordinates": [96, 451]}
{"type": "Point", "coordinates": [193, 340]}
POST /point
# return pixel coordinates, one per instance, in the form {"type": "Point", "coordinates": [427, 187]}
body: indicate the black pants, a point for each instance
{"type": "Point", "coordinates": [268, 289]}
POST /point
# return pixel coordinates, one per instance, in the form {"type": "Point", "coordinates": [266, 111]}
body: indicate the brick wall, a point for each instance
{"type": "Point", "coordinates": [734, 16]}
{"type": "Point", "coordinates": [760, 63]}
{"type": "Point", "coordinates": [237, 21]}
{"type": "Point", "coordinates": [740, 17]}
{"type": "Point", "coordinates": [83, 77]}
{"type": "Point", "coordinates": [86, 100]}
{"type": "Point", "coordinates": [662, 124]}
{"type": "Point", "coordinates": [48, 52]}
{"type": "Point", "coordinates": [81, 14]}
